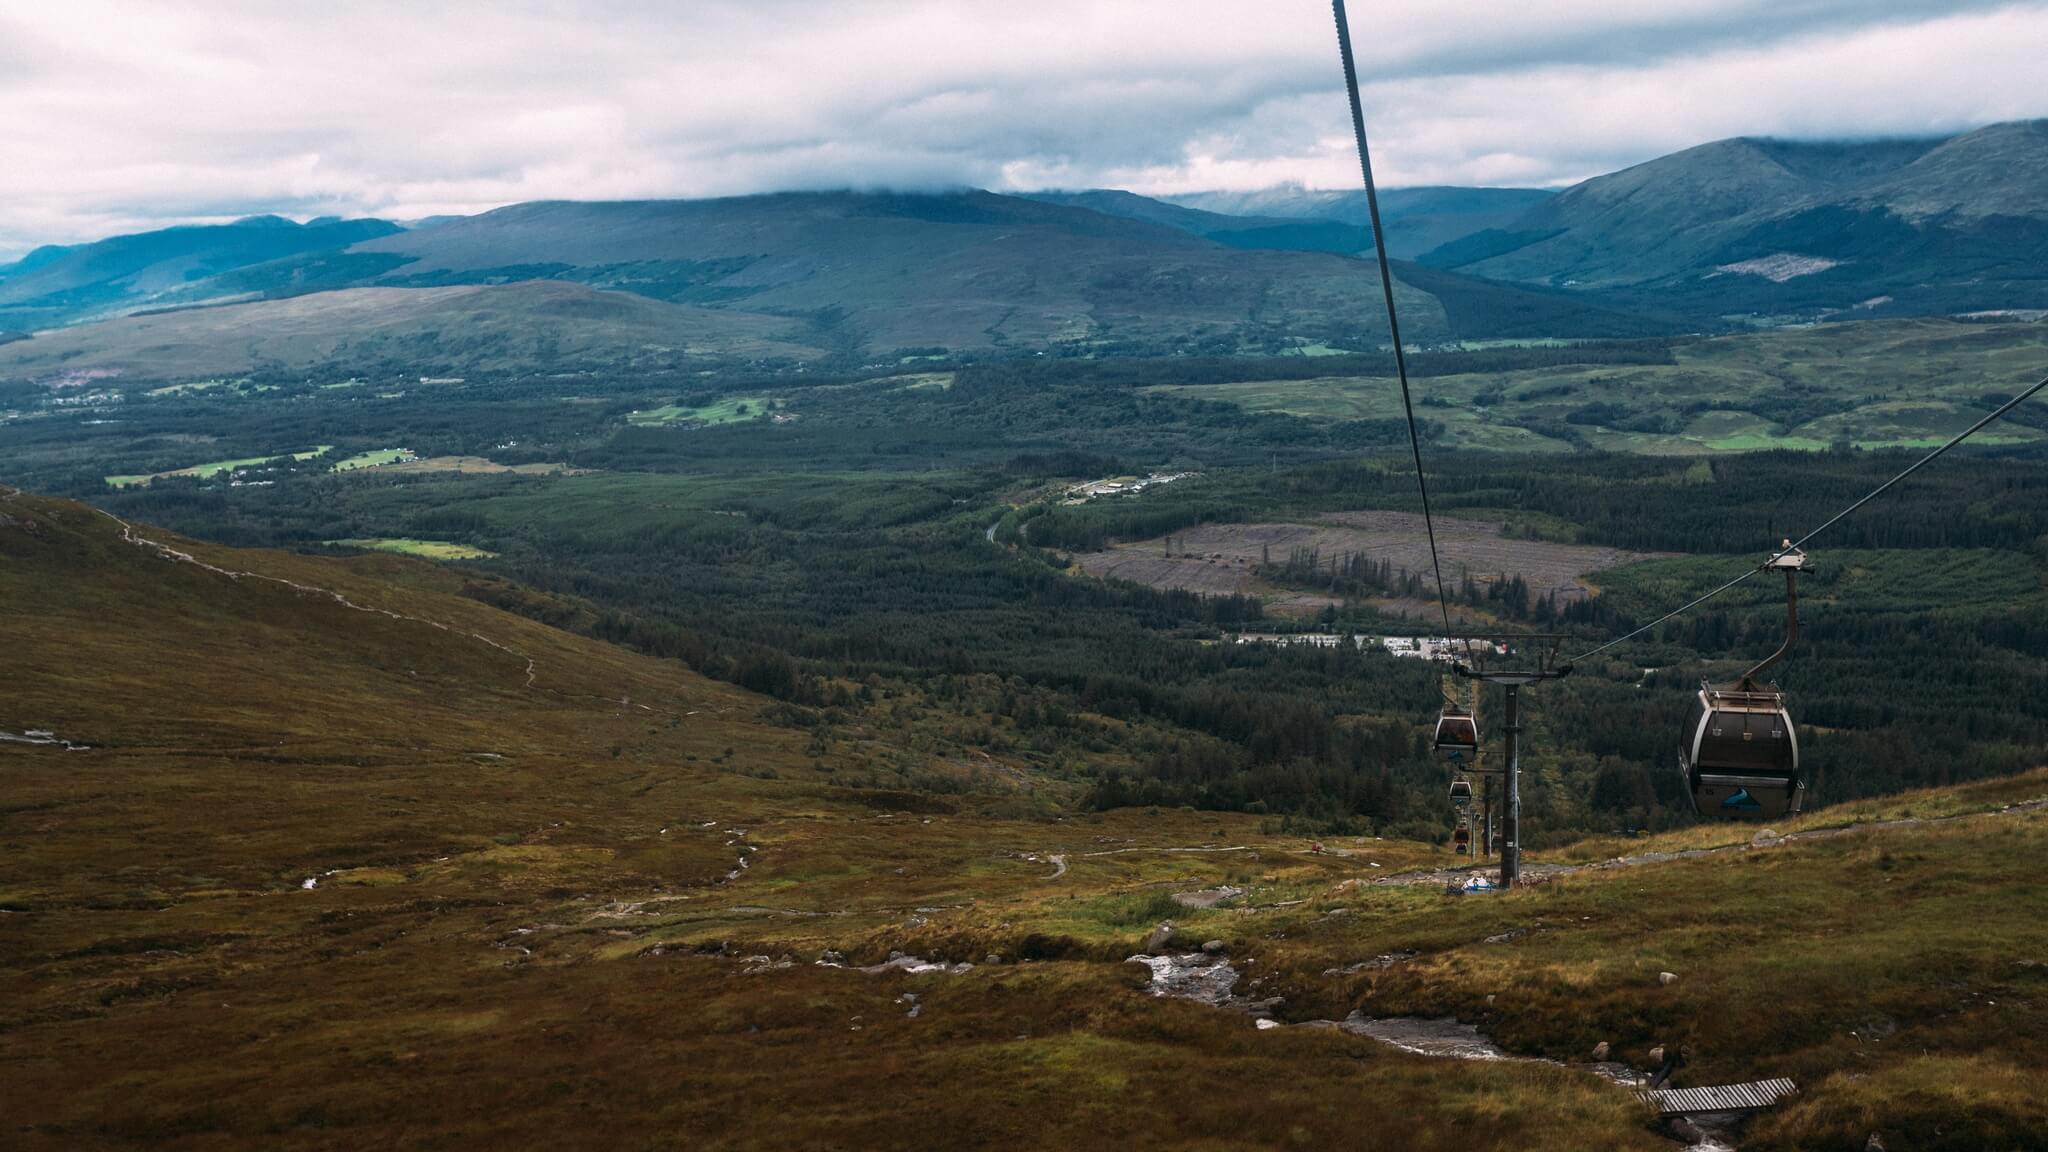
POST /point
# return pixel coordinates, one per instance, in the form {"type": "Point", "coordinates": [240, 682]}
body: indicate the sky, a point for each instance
{"type": "Point", "coordinates": [122, 116]}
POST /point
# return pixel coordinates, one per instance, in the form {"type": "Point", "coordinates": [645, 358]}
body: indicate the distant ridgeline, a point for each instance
{"type": "Point", "coordinates": [1773, 229]}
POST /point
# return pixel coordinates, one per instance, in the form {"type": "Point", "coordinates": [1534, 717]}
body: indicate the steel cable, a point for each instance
{"type": "Point", "coordinates": [1379, 241]}
{"type": "Point", "coordinates": [1831, 521]}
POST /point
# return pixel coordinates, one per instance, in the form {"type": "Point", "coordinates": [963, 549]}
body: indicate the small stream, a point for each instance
{"type": "Point", "coordinates": [42, 737]}
{"type": "Point", "coordinates": [1211, 979]}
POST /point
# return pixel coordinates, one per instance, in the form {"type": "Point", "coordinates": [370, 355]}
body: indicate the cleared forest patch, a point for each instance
{"type": "Point", "coordinates": [1225, 559]}
{"type": "Point", "coordinates": [480, 464]}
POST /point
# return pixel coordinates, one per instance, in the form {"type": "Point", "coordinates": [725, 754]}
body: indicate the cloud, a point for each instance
{"type": "Point", "coordinates": [129, 115]}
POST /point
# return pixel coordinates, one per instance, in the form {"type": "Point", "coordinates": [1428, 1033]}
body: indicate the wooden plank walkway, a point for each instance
{"type": "Point", "coordinates": [1721, 1098]}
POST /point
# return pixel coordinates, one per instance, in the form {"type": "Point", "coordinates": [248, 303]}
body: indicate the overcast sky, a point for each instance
{"type": "Point", "coordinates": [120, 116]}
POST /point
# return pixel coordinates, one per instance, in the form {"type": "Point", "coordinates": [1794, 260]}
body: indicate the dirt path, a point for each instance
{"type": "Point", "coordinates": [1121, 851]}
{"type": "Point", "coordinates": [531, 666]}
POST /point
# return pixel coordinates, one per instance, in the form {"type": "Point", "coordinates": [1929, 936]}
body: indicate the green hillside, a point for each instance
{"type": "Point", "coordinates": [412, 332]}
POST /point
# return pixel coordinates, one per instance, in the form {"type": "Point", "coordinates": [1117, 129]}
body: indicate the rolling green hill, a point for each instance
{"type": "Point", "coordinates": [421, 331]}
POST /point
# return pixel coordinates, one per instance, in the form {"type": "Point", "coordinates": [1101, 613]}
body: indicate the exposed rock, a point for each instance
{"type": "Point", "coordinates": [1657, 1054]}
{"type": "Point", "coordinates": [1667, 978]}
{"type": "Point", "coordinates": [992, 958]}
{"type": "Point", "coordinates": [1215, 947]}
{"type": "Point", "coordinates": [1159, 937]}
{"type": "Point", "coordinates": [1600, 1051]}
{"type": "Point", "coordinates": [1874, 1144]}
{"type": "Point", "coordinates": [1203, 979]}
{"type": "Point", "coordinates": [828, 956]}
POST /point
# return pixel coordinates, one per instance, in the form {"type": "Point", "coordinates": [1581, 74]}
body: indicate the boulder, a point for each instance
{"type": "Point", "coordinates": [1600, 1050]}
{"type": "Point", "coordinates": [1667, 978]}
{"type": "Point", "coordinates": [1159, 938]}
{"type": "Point", "coordinates": [1657, 1055]}
{"type": "Point", "coordinates": [1215, 947]}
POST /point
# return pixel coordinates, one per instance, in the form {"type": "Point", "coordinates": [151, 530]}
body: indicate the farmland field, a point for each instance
{"type": "Point", "coordinates": [375, 458]}
{"type": "Point", "coordinates": [475, 464]}
{"type": "Point", "coordinates": [426, 549]}
{"type": "Point", "coordinates": [733, 409]}
{"type": "Point", "coordinates": [215, 468]}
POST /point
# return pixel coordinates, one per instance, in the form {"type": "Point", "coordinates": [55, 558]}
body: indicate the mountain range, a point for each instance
{"type": "Point", "coordinates": [836, 273]}
{"type": "Point", "coordinates": [1719, 234]}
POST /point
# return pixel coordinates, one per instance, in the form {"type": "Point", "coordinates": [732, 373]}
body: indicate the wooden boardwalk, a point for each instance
{"type": "Point", "coordinates": [1722, 1098]}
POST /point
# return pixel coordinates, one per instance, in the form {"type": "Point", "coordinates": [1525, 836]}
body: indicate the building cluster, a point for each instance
{"type": "Point", "coordinates": [1439, 648]}
{"type": "Point", "coordinates": [1122, 485]}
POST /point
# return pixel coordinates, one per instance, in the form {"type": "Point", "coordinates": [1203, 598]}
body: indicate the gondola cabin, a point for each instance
{"type": "Point", "coordinates": [1461, 792]}
{"type": "Point", "coordinates": [1740, 756]}
{"type": "Point", "coordinates": [1457, 737]}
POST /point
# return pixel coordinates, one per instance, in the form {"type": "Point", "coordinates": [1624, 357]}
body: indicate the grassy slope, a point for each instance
{"type": "Point", "coordinates": [480, 972]}
{"type": "Point", "coordinates": [526, 950]}
{"type": "Point", "coordinates": [425, 329]}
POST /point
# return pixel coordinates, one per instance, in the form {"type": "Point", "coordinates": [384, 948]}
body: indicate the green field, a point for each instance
{"type": "Point", "coordinates": [373, 458]}
{"type": "Point", "coordinates": [214, 468]}
{"type": "Point", "coordinates": [733, 409]}
{"type": "Point", "coordinates": [427, 549]}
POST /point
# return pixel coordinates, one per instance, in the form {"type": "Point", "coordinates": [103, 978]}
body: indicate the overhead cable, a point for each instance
{"type": "Point", "coordinates": [1379, 240]}
{"type": "Point", "coordinates": [1831, 521]}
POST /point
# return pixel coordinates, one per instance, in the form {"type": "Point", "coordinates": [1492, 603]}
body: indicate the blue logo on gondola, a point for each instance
{"type": "Point", "coordinates": [1741, 799]}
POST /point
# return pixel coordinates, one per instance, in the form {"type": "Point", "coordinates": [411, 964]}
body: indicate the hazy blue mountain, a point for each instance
{"type": "Point", "coordinates": [857, 274]}
{"type": "Point", "coordinates": [1786, 227]}
{"type": "Point", "coordinates": [1417, 219]}
{"type": "Point", "coordinates": [1301, 234]}
{"type": "Point", "coordinates": [959, 270]}
{"type": "Point", "coordinates": [55, 285]}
